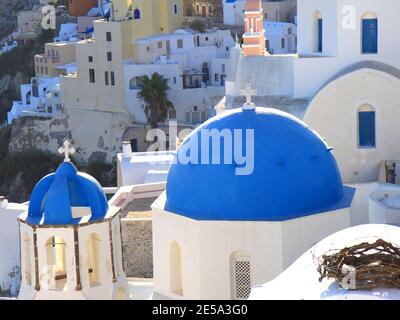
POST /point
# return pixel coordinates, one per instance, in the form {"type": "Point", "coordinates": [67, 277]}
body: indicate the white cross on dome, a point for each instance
{"type": "Point", "coordinates": [248, 93]}
{"type": "Point", "coordinates": [67, 150]}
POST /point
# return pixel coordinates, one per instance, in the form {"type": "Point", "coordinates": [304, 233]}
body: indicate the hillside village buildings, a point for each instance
{"type": "Point", "coordinates": [203, 8]}
{"type": "Point", "coordinates": [277, 11]}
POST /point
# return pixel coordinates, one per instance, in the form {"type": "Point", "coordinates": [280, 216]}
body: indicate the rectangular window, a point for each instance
{"type": "Point", "coordinates": [109, 56]}
{"type": "Point", "coordinates": [106, 78]}
{"type": "Point", "coordinates": [216, 77]}
{"type": "Point", "coordinates": [90, 59]}
{"type": "Point", "coordinates": [366, 129]}
{"type": "Point", "coordinates": [159, 44]}
{"type": "Point", "coordinates": [108, 36]}
{"type": "Point", "coordinates": [179, 43]}
{"type": "Point", "coordinates": [283, 43]}
{"type": "Point", "coordinates": [370, 36]}
{"type": "Point", "coordinates": [223, 68]}
{"type": "Point", "coordinates": [112, 78]}
{"type": "Point", "coordinates": [92, 77]}
{"type": "Point", "coordinates": [174, 79]}
{"type": "Point", "coordinates": [320, 30]}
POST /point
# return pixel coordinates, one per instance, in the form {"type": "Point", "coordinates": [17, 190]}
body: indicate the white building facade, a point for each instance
{"type": "Point", "coordinates": [195, 65]}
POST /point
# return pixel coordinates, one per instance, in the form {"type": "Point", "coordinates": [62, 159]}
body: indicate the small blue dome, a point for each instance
{"type": "Point", "coordinates": [295, 173]}
{"type": "Point", "coordinates": [63, 197]}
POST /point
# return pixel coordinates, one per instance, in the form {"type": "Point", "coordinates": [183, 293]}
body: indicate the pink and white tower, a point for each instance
{"type": "Point", "coordinates": [253, 38]}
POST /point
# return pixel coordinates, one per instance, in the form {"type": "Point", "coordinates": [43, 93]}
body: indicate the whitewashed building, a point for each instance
{"type": "Point", "coordinates": [40, 98]}
{"type": "Point", "coordinates": [278, 11]}
{"type": "Point", "coordinates": [195, 65]}
{"type": "Point", "coordinates": [10, 272]}
{"type": "Point", "coordinates": [8, 46]}
{"type": "Point", "coordinates": [68, 32]}
{"type": "Point", "coordinates": [281, 37]}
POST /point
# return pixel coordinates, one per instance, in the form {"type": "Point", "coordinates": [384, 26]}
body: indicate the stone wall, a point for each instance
{"type": "Point", "coordinates": [33, 133]}
{"type": "Point", "coordinates": [137, 247]}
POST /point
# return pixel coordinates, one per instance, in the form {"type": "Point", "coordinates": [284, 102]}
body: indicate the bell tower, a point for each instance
{"type": "Point", "coordinates": [253, 38]}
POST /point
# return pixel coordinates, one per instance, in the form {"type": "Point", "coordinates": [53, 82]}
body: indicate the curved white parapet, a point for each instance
{"type": "Point", "coordinates": [301, 280]}
{"type": "Point", "coordinates": [384, 207]}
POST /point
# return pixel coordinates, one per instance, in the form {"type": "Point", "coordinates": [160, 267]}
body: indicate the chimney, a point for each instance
{"type": "Point", "coordinates": [3, 202]}
{"type": "Point", "coordinates": [126, 150]}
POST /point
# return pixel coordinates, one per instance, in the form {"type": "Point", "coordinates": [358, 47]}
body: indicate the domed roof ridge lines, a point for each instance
{"type": "Point", "coordinates": [56, 195]}
{"type": "Point", "coordinates": [293, 174]}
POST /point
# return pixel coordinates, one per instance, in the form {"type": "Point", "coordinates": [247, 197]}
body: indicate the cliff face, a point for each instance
{"type": "Point", "coordinates": [8, 14]}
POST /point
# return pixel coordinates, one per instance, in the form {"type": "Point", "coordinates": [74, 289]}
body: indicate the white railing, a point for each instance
{"type": "Point", "coordinates": [125, 195]}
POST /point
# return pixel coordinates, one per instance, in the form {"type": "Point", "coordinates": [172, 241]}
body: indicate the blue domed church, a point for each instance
{"type": "Point", "coordinates": [251, 190]}
{"type": "Point", "coordinates": [70, 239]}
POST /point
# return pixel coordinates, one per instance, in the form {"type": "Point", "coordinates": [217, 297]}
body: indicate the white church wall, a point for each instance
{"type": "Point", "coordinates": [307, 29]}
{"type": "Point", "coordinates": [104, 286]}
{"type": "Point", "coordinates": [182, 231]}
{"type": "Point", "coordinates": [208, 246]}
{"type": "Point", "coordinates": [334, 112]}
{"type": "Point", "coordinates": [9, 246]}
{"type": "Point", "coordinates": [219, 240]}
{"type": "Point", "coordinates": [68, 292]}
{"type": "Point", "coordinates": [269, 75]}
{"type": "Point", "coordinates": [341, 40]}
{"type": "Point", "coordinates": [28, 275]}
{"type": "Point", "coordinates": [359, 211]}
{"type": "Point", "coordinates": [298, 235]}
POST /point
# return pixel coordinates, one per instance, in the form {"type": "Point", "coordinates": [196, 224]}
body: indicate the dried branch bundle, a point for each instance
{"type": "Point", "coordinates": [373, 265]}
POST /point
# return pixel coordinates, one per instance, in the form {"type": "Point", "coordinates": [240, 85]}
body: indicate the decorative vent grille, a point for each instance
{"type": "Point", "coordinates": [242, 279]}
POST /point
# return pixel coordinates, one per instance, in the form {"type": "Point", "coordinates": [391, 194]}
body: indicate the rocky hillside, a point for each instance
{"type": "Point", "coordinates": [8, 14]}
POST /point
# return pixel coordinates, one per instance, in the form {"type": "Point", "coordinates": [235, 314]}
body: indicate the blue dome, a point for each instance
{"type": "Point", "coordinates": [65, 196]}
{"type": "Point", "coordinates": [295, 173]}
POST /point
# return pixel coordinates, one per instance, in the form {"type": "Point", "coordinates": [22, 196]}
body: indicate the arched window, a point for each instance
{"type": "Point", "coordinates": [317, 32]}
{"type": "Point", "coordinates": [240, 275]}
{"type": "Point", "coordinates": [56, 261]}
{"type": "Point", "coordinates": [135, 83]}
{"type": "Point", "coordinates": [27, 260]}
{"type": "Point", "coordinates": [175, 268]}
{"type": "Point", "coordinates": [94, 259]}
{"type": "Point", "coordinates": [28, 97]}
{"type": "Point", "coordinates": [366, 126]}
{"type": "Point", "coordinates": [369, 33]}
{"type": "Point", "coordinates": [117, 251]}
{"type": "Point", "coordinates": [136, 14]}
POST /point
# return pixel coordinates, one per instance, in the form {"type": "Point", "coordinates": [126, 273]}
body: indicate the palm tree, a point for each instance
{"type": "Point", "coordinates": [154, 95]}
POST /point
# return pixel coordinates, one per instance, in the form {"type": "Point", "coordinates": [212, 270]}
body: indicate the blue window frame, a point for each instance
{"type": "Point", "coordinates": [366, 129]}
{"type": "Point", "coordinates": [370, 36]}
{"type": "Point", "coordinates": [320, 30]}
{"type": "Point", "coordinates": [136, 14]}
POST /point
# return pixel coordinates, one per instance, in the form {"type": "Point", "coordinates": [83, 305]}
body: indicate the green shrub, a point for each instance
{"type": "Point", "coordinates": [198, 25]}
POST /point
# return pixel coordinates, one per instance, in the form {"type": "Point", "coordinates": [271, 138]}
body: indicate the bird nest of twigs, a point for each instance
{"type": "Point", "coordinates": [363, 266]}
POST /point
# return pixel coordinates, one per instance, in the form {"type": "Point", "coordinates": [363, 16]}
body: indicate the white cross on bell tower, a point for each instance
{"type": "Point", "coordinates": [67, 150]}
{"type": "Point", "coordinates": [248, 93]}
